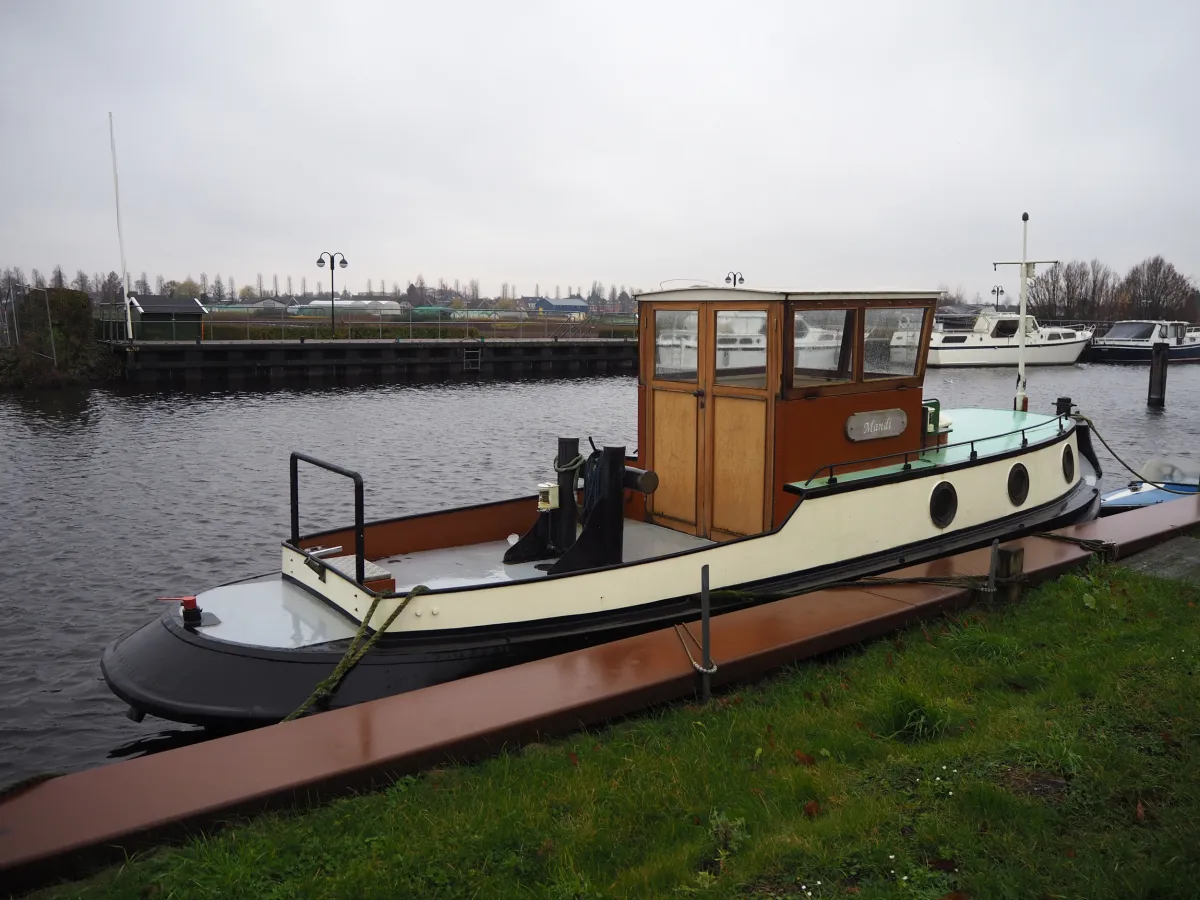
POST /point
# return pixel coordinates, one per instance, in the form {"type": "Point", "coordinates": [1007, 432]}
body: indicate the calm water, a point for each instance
{"type": "Point", "coordinates": [109, 499]}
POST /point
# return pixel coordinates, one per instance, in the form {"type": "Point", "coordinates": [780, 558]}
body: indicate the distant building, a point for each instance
{"type": "Point", "coordinates": [571, 306]}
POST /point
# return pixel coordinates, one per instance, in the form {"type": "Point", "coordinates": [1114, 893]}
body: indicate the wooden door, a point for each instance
{"type": "Point", "coordinates": [737, 375]}
{"type": "Point", "coordinates": [675, 413]}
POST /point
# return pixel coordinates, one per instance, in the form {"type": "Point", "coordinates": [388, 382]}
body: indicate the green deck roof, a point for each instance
{"type": "Point", "coordinates": [990, 429]}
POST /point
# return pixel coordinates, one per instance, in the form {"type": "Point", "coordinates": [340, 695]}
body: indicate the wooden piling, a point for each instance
{"type": "Point", "coordinates": [1156, 398]}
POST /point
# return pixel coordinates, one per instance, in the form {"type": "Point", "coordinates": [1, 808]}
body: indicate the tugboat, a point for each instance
{"type": "Point", "coordinates": [780, 467]}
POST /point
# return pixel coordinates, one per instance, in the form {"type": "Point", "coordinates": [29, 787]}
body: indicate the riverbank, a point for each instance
{"type": "Point", "coordinates": [1041, 749]}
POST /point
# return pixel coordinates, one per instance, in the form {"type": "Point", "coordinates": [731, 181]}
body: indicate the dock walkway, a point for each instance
{"type": "Point", "coordinates": [64, 826]}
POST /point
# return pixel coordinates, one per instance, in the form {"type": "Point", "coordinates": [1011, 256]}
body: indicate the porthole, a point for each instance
{"type": "Point", "coordinates": [943, 504]}
{"type": "Point", "coordinates": [1068, 463]}
{"type": "Point", "coordinates": [1018, 484]}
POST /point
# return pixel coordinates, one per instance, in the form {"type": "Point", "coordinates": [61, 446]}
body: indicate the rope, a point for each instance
{"type": "Point", "coordinates": [1134, 472]}
{"type": "Point", "coordinates": [354, 653]}
{"type": "Point", "coordinates": [576, 463]}
{"type": "Point", "coordinates": [591, 486]}
{"type": "Point", "coordinates": [711, 670]}
{"type": "Point", "coordinates": [1107, 549]}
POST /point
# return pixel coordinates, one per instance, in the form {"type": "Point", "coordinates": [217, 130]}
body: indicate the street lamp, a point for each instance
{"type": "Point", "coordinates": [735, 278]}
{"type": "Point", "coordinates": [332, 294]}
{"type": "Point", "coordinates": [997, 292]}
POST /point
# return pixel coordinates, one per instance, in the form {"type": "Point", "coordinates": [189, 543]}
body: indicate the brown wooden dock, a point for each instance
{"type": "Point", "coordinates": [60, 828]}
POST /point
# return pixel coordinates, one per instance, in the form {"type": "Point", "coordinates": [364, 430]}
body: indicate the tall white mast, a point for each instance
{"type": "Point", "coordinates": [1021, 401]}
{"type": "Point", "coordinates": [112, 140]}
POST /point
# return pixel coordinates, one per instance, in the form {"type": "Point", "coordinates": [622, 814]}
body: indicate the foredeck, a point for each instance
{"type": "Point", "coordinates": [984, 432]}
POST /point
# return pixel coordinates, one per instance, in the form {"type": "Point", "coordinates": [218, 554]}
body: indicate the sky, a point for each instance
{"type": "Point", "coordinates": [823, 146]}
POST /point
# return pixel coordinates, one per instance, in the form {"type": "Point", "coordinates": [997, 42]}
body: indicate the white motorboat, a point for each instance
{"type": "Point", "coordinates": [993, 341]}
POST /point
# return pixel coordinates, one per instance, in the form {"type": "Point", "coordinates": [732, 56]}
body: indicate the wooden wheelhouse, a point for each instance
{"type": "Point", "coordinates": [741, 392]}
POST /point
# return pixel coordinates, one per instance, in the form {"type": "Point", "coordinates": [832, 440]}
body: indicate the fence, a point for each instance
{"type": "Point", "coordinates": [232, 325]}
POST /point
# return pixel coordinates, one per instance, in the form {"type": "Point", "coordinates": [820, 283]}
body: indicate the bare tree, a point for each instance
{"type": "Point", "coordinates": [203, 284]}
{"type": "Point", "coordinates": [557, 293]}
{"type": "Point", "coordinates": [218, 288]}
{"type": "Point", "coordinates": [275, 285]}
{"type": "Point", "coordinates": [289, 285]}
{"type": "Point", "coordinates": [81, 281]}
{"type": "Point", "coordinates": [37, 279]}
{"type": "Point", "coordinates": [420, 285]}
{"type": "Point", "coordinates": [1101, 287]}
{"type": "Point", "coordinates": [537, 289]}
{"type": "Point", "coordinates": [504, 291]}
{"type": "Point", "coordinates": [369, 291]}
{"type": "Point", "coordinates": [396, 289]}
{"type": "Point", "coordinates": [260, 285]}
{"type": "Point", "coordinates": [160, 284]}
{"type": "Point", "coordinates": [304, 285]}
{"type": "Point", "coordinates": [456, 288]}
{"type": "Point", "coordinates": [474, 289]}
{"type": "Point", "coordinates": [57, 279]}
{"type": "Point", "coordinates": [142, 285]}
{"type": "Point", "coordinates": [1154, 289]}
{"type": "Point", "coordinates": [233, 293]}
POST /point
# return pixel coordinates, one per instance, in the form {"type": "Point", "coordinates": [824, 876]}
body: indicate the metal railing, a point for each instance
{"type": "Point", "coordinates": [360, 540]}
{"type": "Point", "coordinates": [908, 456]}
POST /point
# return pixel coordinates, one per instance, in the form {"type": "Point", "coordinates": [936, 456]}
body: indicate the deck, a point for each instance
{"type": "Point", "coordinates": [988, 432]}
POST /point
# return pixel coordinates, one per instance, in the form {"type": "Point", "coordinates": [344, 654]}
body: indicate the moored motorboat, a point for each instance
{"type": "Point", "coordinates": [1161, 479]}
{"type": "Point", "coordinates": [993, 340]}
{"type": "Point", "coordinates": [781, 470]}
{"type": "Point", "coordinates": [1133, 340]}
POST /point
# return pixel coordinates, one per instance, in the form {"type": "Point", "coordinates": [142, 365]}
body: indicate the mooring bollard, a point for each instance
{"type": "Point", "coordinates": [1009, 569]}
{"type": "Point", "coordinates": [705, 648]}
{"type": "Point", "coordinates": [1157, 396]}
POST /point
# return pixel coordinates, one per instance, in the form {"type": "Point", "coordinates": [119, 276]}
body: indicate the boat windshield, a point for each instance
{"type": "Point", "coordinates": [1171, 470]}
{"type": "Point", "coordinates": [1130, 331]}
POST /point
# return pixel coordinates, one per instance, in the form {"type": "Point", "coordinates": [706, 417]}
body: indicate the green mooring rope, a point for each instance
{"type": "Point", "coordinates": [354, 653]}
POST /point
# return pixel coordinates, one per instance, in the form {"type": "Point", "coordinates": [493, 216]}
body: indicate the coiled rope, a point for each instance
{"type": "Point", "coordinates": [354, 652]}
{"type": "Point", "coordinates": [1134, 472]}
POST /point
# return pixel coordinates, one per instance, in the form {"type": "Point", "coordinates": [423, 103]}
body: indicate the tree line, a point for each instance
{"type": "Point", "coordinates": [225, 290]}
{"type": "Point", "coordinates": [1094, 292]}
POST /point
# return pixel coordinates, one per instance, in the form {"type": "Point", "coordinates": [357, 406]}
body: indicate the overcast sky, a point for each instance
{"type": "Point", "coordinates": [810, 145]}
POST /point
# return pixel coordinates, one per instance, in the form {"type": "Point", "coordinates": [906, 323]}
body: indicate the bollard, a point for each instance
{"type": "Point", "coordinates": [1156, 398]}
{"type": "Point", "coordinates": [1009, 569]}
{"type": "Point", "coordinates": [705, 646]}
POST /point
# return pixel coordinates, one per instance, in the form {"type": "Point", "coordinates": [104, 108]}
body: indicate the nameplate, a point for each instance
{"type": "Point", "coordinates": [879, 423]}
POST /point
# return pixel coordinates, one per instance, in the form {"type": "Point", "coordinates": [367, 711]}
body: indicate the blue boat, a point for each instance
{"type": "Point", "coordinates": [1133, 340]}
{"type": "Point", "coordinates": [1161, 480]}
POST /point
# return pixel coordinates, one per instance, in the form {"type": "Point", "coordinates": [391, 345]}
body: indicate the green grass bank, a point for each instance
{"type": "Point", "coordinates": [1042, 750]}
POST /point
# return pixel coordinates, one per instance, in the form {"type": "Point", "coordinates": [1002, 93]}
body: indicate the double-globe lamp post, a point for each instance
{"type": "Point", "coordinates": [332, 293]}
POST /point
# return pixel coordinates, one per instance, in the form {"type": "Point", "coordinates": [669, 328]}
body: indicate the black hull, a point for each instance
{"type": "Point", "coordinates": [177, 673]}
{"type": "Point", "coordinates": [1140, 355]}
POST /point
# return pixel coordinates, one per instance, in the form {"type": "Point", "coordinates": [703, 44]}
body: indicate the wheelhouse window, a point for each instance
{"type": "Point", "coordinates": [823, 346]}
{"type": "Point", "coordinates": [676, 338]}
{"type": "Point", "coordinates": [891, 342]}
{"type": "Point", "coordinates": [740, 348]}
{"type": "Point", "coordinates": [1130, 331]}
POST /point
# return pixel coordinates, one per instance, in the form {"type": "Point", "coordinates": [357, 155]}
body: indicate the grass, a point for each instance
{"type": "Point", "coordinates": [1043, 750]}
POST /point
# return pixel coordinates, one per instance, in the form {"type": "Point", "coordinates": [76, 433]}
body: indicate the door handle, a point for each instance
{"type": "Point", "coordinates": [699, 393]}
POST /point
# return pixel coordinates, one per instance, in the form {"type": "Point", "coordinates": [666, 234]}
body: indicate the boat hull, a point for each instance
{"type": "Point", "coordinates": [1058, 353]}
{"type": "Point", "coordinates": [180, 673]}
{"type": "Point", "coordinates": [1127, 498]}
{"type": "Point", "coordinates": [1116, 353]}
